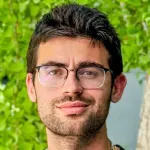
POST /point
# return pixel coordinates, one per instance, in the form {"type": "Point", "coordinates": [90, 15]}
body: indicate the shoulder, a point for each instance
{"type": "Point", "coordinates": [121, 148]}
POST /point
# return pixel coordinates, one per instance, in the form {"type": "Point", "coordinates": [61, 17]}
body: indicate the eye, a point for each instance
{"type": "Point", "coordinates": [84, 73]}
{"type": "Point", "coordinates": [55, 72]}
{"type": "Point", "coordinates": [88, 73]}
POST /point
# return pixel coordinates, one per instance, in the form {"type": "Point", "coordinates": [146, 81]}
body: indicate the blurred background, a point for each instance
{"type": "Point", "coordinates": [128, 122]}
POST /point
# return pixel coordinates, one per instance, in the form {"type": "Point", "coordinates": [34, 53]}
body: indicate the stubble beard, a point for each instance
{"type": "Point", "coordinates": [89, 127]}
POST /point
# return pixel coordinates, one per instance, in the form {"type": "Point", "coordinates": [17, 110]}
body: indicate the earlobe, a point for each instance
{"type": "Point", "coordinates": [118, 88]}
{"type": "Point", "coordinates": [30, 87]}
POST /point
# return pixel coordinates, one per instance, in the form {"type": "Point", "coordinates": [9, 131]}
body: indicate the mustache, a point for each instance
{"type": "Point", "coordinates": [88, 100]}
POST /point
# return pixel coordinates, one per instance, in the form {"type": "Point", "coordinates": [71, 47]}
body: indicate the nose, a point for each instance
{"type": "Point", "coordinates": [71, 86]}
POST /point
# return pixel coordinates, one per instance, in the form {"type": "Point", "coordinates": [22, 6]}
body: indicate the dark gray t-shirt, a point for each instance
{"type": "Point", "coordinates": [121, 148]}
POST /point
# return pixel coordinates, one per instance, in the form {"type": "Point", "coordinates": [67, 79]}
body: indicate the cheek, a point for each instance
{"type": "Point", "coordinates": [100, 95]}
{"type": "Point", "coordinates": [43, 93]}
{"type": "Point", "coordinates": [46, 95]}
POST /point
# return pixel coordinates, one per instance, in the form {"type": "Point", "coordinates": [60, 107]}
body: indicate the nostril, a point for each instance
{"type": "Point", "coordinates": [65, 77]}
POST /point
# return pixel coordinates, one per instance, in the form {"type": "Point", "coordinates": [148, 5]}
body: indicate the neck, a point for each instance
{"type": "Point", "coordinates": [98, 141]}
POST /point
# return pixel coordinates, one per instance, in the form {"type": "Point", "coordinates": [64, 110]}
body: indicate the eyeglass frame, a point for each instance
{"type": "Point", "coordinates": [76, 70]}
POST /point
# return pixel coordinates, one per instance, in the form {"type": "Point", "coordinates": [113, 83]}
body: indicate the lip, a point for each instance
{"type": "Point", "coordinates": [73, 108]}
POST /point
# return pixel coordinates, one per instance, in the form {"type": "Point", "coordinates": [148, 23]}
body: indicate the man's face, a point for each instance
{"type": "Point", "coordinates": [71, 109]}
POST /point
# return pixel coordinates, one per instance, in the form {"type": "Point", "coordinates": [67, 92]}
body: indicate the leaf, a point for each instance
{"type": "Point", "coordinates": [25, 145]}
{"type": "Point", "coordinates": [16, 67]}
{"type": "Point", "coordinates": [29, 131]}
{"type": "Point", "coordinates": [36, 1]}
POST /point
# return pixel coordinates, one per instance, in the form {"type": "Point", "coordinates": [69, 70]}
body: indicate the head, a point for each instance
{"type": "Point", "coordinates": [74, 37]}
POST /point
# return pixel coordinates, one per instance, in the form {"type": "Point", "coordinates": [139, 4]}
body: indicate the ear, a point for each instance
{"type": "Point", "coordinates": [30, 87]}
{"type": "Point", "coordinates": [118, 88]}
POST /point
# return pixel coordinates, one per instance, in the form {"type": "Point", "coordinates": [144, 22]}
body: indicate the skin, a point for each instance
{"type": "Point", "coordinates": [71, 132]}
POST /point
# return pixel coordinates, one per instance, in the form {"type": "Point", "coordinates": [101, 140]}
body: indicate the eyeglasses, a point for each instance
{"type": "Point", "coordinates": [88, 77]}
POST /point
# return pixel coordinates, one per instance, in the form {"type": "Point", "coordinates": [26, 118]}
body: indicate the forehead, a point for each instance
{"type": "Point", "coordinates": [72, 50]}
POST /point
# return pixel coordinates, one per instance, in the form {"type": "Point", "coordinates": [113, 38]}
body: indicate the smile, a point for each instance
{"type": "Point", "coordinates": [73, 108]}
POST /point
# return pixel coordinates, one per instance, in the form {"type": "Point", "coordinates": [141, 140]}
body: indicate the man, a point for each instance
{"type": "Point", "coordinates": [74, 67]}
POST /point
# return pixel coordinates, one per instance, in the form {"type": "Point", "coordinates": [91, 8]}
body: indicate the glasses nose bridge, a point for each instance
{"type": "Point", "coordinates": [71, 83]}
{"type": "Point", "coordinates": [72, 70]}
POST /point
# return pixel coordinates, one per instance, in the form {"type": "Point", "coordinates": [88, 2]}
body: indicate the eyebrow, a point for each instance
{"type": "Point", "coordinates": [79, 65]}
{"type": "Point", "coordinates": [89, 64]}
{"type": "Point", "coordinates": [54, 63]}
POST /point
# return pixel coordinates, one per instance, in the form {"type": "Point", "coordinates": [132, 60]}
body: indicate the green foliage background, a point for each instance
{"type": "Point", "coordinates": [20, 127]}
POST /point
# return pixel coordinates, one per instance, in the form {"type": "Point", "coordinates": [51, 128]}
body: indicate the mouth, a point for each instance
{"type": "Point", "coordinates": [73, 108]}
